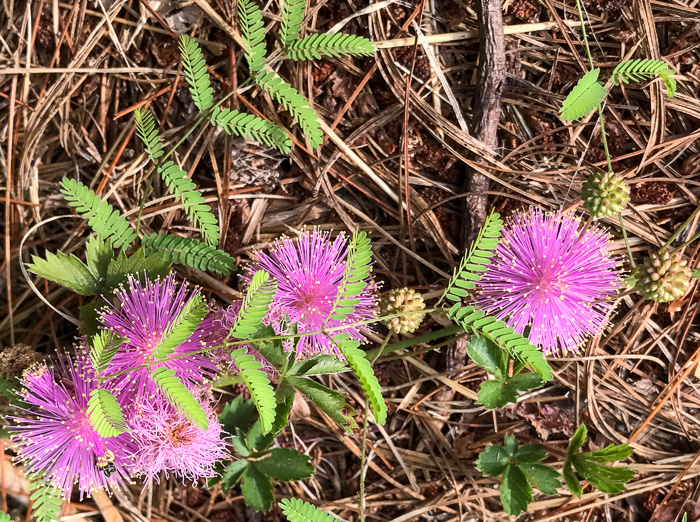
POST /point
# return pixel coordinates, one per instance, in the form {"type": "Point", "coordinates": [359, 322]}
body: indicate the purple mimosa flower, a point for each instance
{"type": "Point", "coordinates": [56, 439]}
{"type": "Point", "coordinates": [549, 277]}
{"type": "Point", "coordinates": [167, 442]}
{"type": "Point", "coordinates": [308, 272]}
{"type": "Point", "coordinates": [144, 313]}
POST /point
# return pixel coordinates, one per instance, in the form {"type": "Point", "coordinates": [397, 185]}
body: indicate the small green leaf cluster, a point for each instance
{"type": "Point", "coordinates": [113, 227]}
{"type": "Point", "coordinates": [589, 92]}
{"type": "Point", "coordinates": [590, 466]}
{"type": "Point", "coordinates": [503, 388]}
{"type": "Point", "coordinates": [522, 469]}
{"type": "Point", "coordinates": [259, 464]}
{"type": "Point", "coordinates": [102, 273]}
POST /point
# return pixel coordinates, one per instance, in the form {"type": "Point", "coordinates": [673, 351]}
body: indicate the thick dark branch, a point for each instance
{"type": "Point", "coordinates": [487, 111]}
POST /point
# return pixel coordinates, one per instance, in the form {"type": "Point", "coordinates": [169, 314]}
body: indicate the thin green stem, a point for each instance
{"type": "Point", "coordinates": [363, 450]}
{"type": "Point", "coordinates": [363, 462]}
{"type": "Point", "coordinates": [229, 344]}
{"type": "Point", "coordinates": [601, 120]}
{"type": "Point", "coordinates": [680, 230]}
{"type": "Point", "coordinates": [627, 243]}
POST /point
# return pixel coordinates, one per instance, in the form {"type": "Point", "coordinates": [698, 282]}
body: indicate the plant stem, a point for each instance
{"type": "Point", "coordinates": [363, 462]}
{"type": "Point", "coordinates": [601, 120]}
{"type": "Point", "coordinates": [363, 454]}
{"type": "Point", "coordinates": [627, 243]}
{"type": "Point", "coordinates": [679, 230]}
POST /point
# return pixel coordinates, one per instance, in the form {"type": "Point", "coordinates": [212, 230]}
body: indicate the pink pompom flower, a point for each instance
{"type": "Point", "coordinates": [308, 273]}
{"type": "Point", "coordinates": [55, 438]}
{"type": "Point", "coordinates": [550, 277]}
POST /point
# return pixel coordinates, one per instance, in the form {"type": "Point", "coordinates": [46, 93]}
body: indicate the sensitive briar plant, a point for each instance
{"type": "Point", "coordinates": [552, 276]}
{"type": "Point", "coordinates": [309, 271]}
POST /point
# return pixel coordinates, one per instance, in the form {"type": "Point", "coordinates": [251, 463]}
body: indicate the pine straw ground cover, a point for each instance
{"type": "Point", "coordinates": [73, 74]}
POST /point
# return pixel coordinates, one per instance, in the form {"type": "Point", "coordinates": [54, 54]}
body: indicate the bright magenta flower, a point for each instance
{"type": "Point", "coordinates": [308, 272]}
{"type": "Point", "coordinates": [142, 316]}
{"type": "Point", "coordinates": [56, 440]}
{"type": "Point", "coordinates": [550, 278]}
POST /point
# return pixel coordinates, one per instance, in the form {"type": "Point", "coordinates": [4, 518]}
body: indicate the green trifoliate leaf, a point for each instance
{"type": "Point", "coordinates": [332, 403]}
{"type": "Point", "coordinates": [531, 453]}
{"type": "Point", "coordinates": [487, 355]}
{"type": "Point", "coordinates": [589, 465]}
{"type": "Point", "coordinates": [604, 478]}
{"type": "Point", "coordinates": [542, 477]}
{"type": "Point", "coordinates": [496, 394]}
{"type": "Point", "coordinates": [318, 365]}
{"type": "Point", "coordinates": [500, 392]}
{"type": "Point", "coordinates": [232, 474]}
{"type": "Point", "coordinates": [256, 488]}
{"type": "Point", "coordinates": [492, 461]}
{"type": "Point", "coordinates": [571, 481]}
{"type": "Point", "coordinates": [237, 415]}
{"type": "Point", "coordinates": [578, 439]}
{"type": "Point", "coordinates": [516, 492]}
{"type": "Point", "coordinates": [68, 271]}
{"type": "Point", "coordinates": [285, 464]}
{"type": "Point", "coordinates": [98, 254]}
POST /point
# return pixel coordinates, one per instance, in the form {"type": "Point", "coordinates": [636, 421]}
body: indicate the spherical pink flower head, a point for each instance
{"type": "Point", "coordinates": [56, 439]}
{"type": "Point", "coordinates": [549, 277]}
{"type": "Point", "coordinates": [143, 316]}
{"type": "Point", "coordinates": [166, 441]}
{"type": "Point", "coordinates": [309, 272]}
{"type": "Point", "coordinates": [223, 321]}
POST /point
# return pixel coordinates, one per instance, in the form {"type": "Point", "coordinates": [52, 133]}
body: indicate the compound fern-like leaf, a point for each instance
{"type": "Point", "coordinates": [147, 132]}
{"type": "Point", "coordinates": [47, 500]}
{"type": "Point", "coordinates": [256, 381]}
{"type": "Point", "coordinates": [179, 396]}
{"type": "Point", "coordinates": [191, 199]}
{"type": "Point", "coordinates": [190, 252]}
{"type": "Point", "coordinates": [105, 414]}
{"type": "Point", "coordinates": [357, 267]}
{"type": "Point", "coordinates": [299, 511]}
{"type": "Point", "coordinates": [103, 347]}
{"type": "Point", "coordinates": [293, 102]}
{"type": "Point", "coordinates": [643, 69]}
{"type": "Point", "coordinates": [364, 373]}
{"type": "Point", "coordinates": [253, 32]}
{"type": "Point", "coordinates": [519, 346]}
{"type": "Point", "coordinates": [255, 305]}
{"type": "Point", "coordinates": [475, 261]}
{"type": "Point", "coordinates": [292, 16]}
{"type": "Point", "coordinates": [101, 216]}
{"type": "Point", "coordinates": [584, 97]}
{"type": "Point", "coordinates": [182, 327]}
{"type": "Point", "coordinates": [329, 45]}
{"type": "Point", "coordinates": [252, 128]}
{"type": "Point", "coordinates": [176, 179]}
{"type": "Point", "coordinates": [196, 74]}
